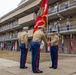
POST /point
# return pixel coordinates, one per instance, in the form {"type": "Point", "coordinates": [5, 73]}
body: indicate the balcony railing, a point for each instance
{"type": "Point", "coordinates": [65, 28]}
{"type": "Point", "coordinates": [14, 36]}
{"type": "Point", "coordinates": [69, 29]}
{"type": "Point", "coordinates": [62, 6]}
{"type": "Point", "coordinates": [8, 37]}
{"type": "Point", "coordinates": [9, 26]}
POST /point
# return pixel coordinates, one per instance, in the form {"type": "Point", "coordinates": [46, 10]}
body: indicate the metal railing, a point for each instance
{"type": "Point", "coordinates": [8, 37]}
{"type": "Point", "coordinates": [13, 36]}
{"type": "Point", "coordinates": [62, 6]}
{"type": "Point", "coordinates": [67, 29]}
{"type": "Point", "coordinates": [9, 26]}
{"type": "Point", "coordinates": [64, 27]}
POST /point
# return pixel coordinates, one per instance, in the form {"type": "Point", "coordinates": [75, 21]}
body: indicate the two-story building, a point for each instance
{"type": "Point", "coordinates": [62, 16]}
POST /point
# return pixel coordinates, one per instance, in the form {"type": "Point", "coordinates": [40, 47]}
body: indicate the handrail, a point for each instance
{"type": "Point", "coordinates": [9, 26]}
{"type": "Point", "coordinates": [62, 6]}
{"type": "Point", "coordinates": [64, 27]}
{"type": "Point", "coordinates": [8, 37]}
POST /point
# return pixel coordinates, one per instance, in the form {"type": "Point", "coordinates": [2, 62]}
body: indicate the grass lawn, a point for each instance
{"type": "Point", "coordinates": [15, 55]}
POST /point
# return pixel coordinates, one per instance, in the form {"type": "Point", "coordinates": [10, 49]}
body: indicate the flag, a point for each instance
{"type": "Point", "coordinates": [38, 22]}
{"type": "Point", "coordinates": [41, 15]}
{"type": "Point", "coordinates": [71, 43]}
{"type": "Point", "coordinates": [62, 43]}
{"type": "Point", "coordinates": [44, 6]}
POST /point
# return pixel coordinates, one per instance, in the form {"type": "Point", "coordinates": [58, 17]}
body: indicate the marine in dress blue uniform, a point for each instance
{"type": "Point", "coordinates": [35, 47]}
{"type": "Point", "coordinates": [23, 42]}
{"type": "Point", "coordinates": [54, 49]}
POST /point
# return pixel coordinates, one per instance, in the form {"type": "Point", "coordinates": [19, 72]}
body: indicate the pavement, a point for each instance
{"type": "Point", "coordinates": [65, 67]}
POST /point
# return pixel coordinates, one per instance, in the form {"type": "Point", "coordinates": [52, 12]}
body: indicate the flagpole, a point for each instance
{"type": "Point", "coordinates": [47, 34]}
{"type": "Point", "coordinates": [47, 26]}
{"type": "Point", "coordinates": [47, 29]}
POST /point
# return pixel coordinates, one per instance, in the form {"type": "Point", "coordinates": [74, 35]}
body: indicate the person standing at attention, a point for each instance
{"type": "Point", "coordinates": [35, 47]}
{"type": "Point", "coordinates": [54, 49]}
{"type": "Point", "coordinates": [23, 43]}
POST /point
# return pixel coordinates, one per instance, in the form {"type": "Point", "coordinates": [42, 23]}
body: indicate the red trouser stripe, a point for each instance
{"type": "Point", "coordinates": [26, 55]}
{"type": "Point", "coordinates": [57, 57]}
{"type": "Point", "coordinates": [37, 64]}
{"type": "Point", "coordinates": [37, 60]}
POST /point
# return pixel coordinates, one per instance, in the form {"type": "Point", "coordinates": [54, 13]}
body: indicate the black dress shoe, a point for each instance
{"type": "Point", "coordinates": [38, 72]}
{"type": "Point", "coordinates": [54, 67]}
{"type": "Point", "coordinates": [26, 67]}
{"type": "Point", "coordinates": [51, 67]}
{"type": "Point", "coordinates": [23, 67]}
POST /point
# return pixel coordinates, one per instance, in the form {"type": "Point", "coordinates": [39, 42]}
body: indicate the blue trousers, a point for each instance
{"type": "Point", "coordinates": [54, 55]}
{"type": "Point", "coordinates": [68, 27]}
{"type": "Point", "coordinates": [35, 47]}
{"type": "Point", "coordinates": [58, 28]}
{"type": "Point", "coordinates": [23, 55]}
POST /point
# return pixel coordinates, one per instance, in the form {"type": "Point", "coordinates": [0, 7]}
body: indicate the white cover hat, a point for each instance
{"type": "Point", "coordinates": [24, 28]}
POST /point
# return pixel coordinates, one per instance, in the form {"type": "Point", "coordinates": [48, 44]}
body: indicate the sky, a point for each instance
{"type": "Point", "coordinates": [7, 5]}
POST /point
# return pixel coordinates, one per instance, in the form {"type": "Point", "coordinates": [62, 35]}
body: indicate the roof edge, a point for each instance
{"type": "Point", "coordinates": [22, 5]}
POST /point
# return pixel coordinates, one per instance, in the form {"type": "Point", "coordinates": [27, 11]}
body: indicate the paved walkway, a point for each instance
{"type": "Point", "coordinates": [66, 67]}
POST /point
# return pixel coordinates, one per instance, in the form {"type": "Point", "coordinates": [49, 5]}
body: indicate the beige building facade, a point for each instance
{"type": "Point", "coordinates": [62, 16]}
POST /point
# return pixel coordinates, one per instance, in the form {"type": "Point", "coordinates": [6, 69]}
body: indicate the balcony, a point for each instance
{"type": "Point", "coordinates": [65, 29]}
{"type": "Point", "coordinates": [9, 37]}
{"type": "Point", "coordinates": [68, 29]}
{"type": "Point", "coordinates": [9, 26]}
{"type": "Point", "coordinates": [63, 9]}
{"type": "Point", "coordinates": [14, 36]}
{"type": "Point", "coordinates": [27, 20]}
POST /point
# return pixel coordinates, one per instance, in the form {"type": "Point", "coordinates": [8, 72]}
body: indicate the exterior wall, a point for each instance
{"type": "Point", "coordinates": [54, 21]}
{"type": "Point", "coordinates": [60, 47]}
{"type": "Point", "coordinates": [67, 44]}
{"type": "Point", "coordinates": [74, 43]}
{"type": "Point", "coordinates": [27, 18]}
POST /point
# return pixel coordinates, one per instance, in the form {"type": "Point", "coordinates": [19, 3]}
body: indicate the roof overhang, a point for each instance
{"type": "Point", "coordinates": [22, 10]}
{"type": "Point", "coordinates": [27, 20]}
